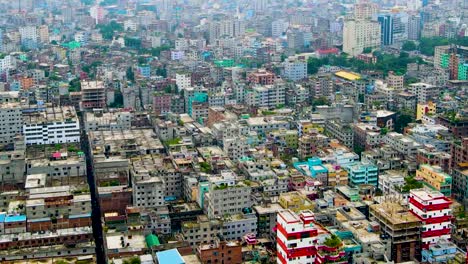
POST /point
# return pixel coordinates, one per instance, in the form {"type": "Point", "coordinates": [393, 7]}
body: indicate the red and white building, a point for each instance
{"type": "Point", "coordinates": [433, 208]}
{"type": "Point", "coordinates": [300, 240]}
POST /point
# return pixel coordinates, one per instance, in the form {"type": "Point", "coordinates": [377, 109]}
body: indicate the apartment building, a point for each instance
{"type": "Point", "coordinates": [362, 173]}
{"type": "Point", "coordinates": [436, 178]}
{"type": "Point", "coordinates": [301, 240]}
{"type": "Point", "coordinates": [341, 131]}
{"type": "Point", "coordinates": [53, 125]}
{"type": "Point", "coordinates": [98, 120]}
{"type": "Point", "coordinates": [391, 183]}
{"type": "Point", "coordinates": [227, 195]}
{"type": "Point", "coordinates": [11, 122]}
{"type": "Point", "coordinates": [433, 209]}
{"type": "Point", "coordinates": [360, 34]}
{"type": "Point", "coordinates": [424, 92]}
{"type": "Point", "coordinates": [270, 96]}
{"type": "Point", "coordinates": [295, 69]}
{"type": "Point", "coordinates": [404, 145]}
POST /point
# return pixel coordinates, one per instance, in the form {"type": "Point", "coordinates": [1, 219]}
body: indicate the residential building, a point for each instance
{"type": "Point", "coordinates": [11, 122]}
{"type": "Point", "coordinates": [99, 120]}
{"type": "Point", "coordinates": [433, 209]}
{"type": "Point", "coordinates": [391, 182]}
{"type": "Point", "coordinates": [220, 252]}
{"type": "Point", "coordinates": [360, 34]}
{"type": "Point", "coordinates": [295, 69]}
{"type": "Point", "coordinates": [422, 109]}
{"type": "Point", "coordinates": [227, 196]}
{"type": "Point", "coordinates": [340, 131]}
{"type": "Point", "coordinates": [362, 173]}
{"type": "Point", "coordinates": [435, 178]}
{"type": "Point", "coordinates": [424, 92]}
{"type": "Point", "coordinates": [301, 240]}
{"type": "Point", "coordinates": [444, 251]}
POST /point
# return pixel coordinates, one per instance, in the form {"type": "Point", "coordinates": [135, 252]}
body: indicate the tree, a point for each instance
{"type": "Point", "coordinates": [74, 85]}
{"type": "Point", "coordinates": [402, 120]}
{"type": "Point", "coordinates": [367, 50]}
{"type": "Point", "coordinates": [108, 30]}
{"type": "Point", "coordinates": [130, 74]}
{"type": "Point", "coordinates": [409, 46]}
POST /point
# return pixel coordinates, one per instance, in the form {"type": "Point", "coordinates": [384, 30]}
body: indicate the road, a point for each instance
{"type": "Point", "coordinates": [96, 211]}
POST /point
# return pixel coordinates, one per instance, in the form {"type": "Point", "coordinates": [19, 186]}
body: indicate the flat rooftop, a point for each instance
{"type": "Point", "coordinates": [51, 114]}
{"type": "Point", "coordinates": [394, 213]}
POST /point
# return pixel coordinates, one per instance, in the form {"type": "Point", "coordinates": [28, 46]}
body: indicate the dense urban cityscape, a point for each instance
{"type": "Point", "coordinates": [228, 132]}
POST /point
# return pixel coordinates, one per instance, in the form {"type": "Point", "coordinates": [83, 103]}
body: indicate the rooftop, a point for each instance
{"type": "Point", "coordinates": [171, 256]}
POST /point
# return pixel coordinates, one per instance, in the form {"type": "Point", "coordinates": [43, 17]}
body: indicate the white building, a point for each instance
{"type": "Point", "coordinates": [295, 69]}
{"type": "Point", "coordinates": [402, 144]}
{"type": "Point", "coordinates": [183, 80]}
{"type": "Point", "coordinates": [360, 34]}
{"type": "Point", "coordinates": [424, 92]}
{"type": "Point", "coordinates": [148, 191]}
{"type": "Point", "coordinates": [108, 121]}
{"type": "Point", "coordinates": [177, 54]}
{"type": "Point", "coordinates": [53, 125]}
{"type": "Point", "coordinates": [296, 237]}
{"type": "Point", "coordinates": [270, 96]}
{"type": "Point", "coordinates": [391, 182]}
{"type": "Point", "coordinates": [278, 27]}
{"type": "Point", "coordinates": [227, 196]}
{"type": "Point", "coordinates": [7, 63]}
{"type": "Point", "coordinates": [28, 33]}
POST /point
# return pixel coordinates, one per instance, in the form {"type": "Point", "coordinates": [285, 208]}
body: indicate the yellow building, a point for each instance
{"type": "Point", "coordinates": [295, 201]}
{"type": "Point", "coordinates": [305, 127]}
{"type": "Point", "coordinates": [336, 175]}
{"type": "Point", "coordinates": [425, 109]}
{"type": "Point", "coordinates": [288, 137]}
{"type": "Point", "coordinates": [435, 178]}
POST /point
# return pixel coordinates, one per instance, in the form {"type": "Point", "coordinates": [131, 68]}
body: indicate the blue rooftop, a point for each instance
{"type": "Point", "coordinates": [171, 256]}
{"type": "Point", "coordinates": [2, 217]}
{"type": "Point", "coordinates": [15, 218]}
{"type": "Point", "coordinates": [80, 216]}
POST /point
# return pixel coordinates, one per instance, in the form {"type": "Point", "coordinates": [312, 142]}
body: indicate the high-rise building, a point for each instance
{"type": "Point", "coordinates": [11, 122]}
{"type": "Point", "coordinates": [433, 208]}
{"type": "Point", "coordinates": [414, 27]}
{"type": "Point", "coordinates": [365, 10]}
{"type": "Point", "coordinates": [43, 34]}
{"type": "Point", "coordinates": [386, 29]}
{"type": "Point", "coordinates": [360, 34]}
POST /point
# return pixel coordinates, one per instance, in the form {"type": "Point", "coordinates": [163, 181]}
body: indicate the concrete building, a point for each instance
{"type": "Point", "coordinates": [220, 252]}
{"type": "Point", "coordinates": [402, 144]}
{"type": "Point", "coordinates": [391, 182]}
{"type": "Point", "coordinates": [402, 229]}
{"type": "Point", "coordinates": [435, 178]}
{"type": "Point", "coordinates": [269, 96]}
{"type": "Point", "coordinates": [414, 27]}
{"type": "Point", "coordinates": [360, 34]}
{"type": "Point", "coordinates": [301, 240]}
{"type": "Point", "coordinates": [99, 120]}
{"type": "Point", "coordinates": [53, 125]}
{"type": "Point", "coordinates": [424, 92]}
{"type": "Point", "coordinates": [295, 69]}
{"type": "Point", "coordinates": [341, 131]}
{"type": "Point", "coordinates": [93, 94]}
{"type": "Point", "coordinates": [227, 196]}
{"type": "Point", "coordinates": [11, 122]}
